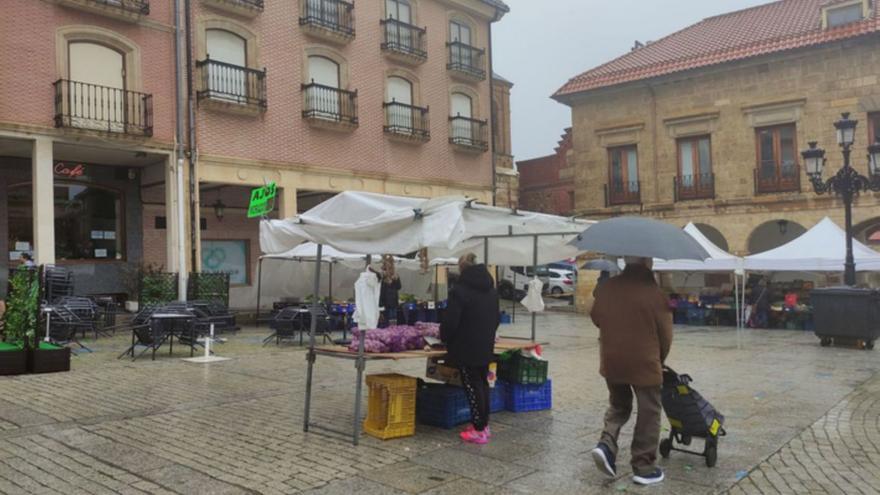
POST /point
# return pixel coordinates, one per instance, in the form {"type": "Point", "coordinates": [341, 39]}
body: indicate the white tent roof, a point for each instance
{"type": "Point", "coordinates": [820, 249]}
{"type": "Point", "coordinates": [719, 260]}
{"type": "Point", "coordinates": [358, 222]}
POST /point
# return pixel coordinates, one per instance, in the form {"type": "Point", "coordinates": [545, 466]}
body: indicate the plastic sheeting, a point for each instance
{"type": "Point", "coordinates": [534, 301]}
{"type": "Point", "coordinates": [359, 222]}
{"type": "Point", "coordinates": [366, 295]}
{"type": "Point", "coordinates": [820, 249]}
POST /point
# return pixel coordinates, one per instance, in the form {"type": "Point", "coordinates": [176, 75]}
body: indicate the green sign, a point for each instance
{"type": "Point", "coordinates": [261, 200]}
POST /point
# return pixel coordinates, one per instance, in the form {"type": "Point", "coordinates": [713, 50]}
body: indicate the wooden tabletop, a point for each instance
{"type": "Point", "coordinates": [501, 346]}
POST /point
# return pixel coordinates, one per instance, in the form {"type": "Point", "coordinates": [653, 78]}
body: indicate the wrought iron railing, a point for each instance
{"type": "Point", "coordinates": [333, 15]}
{"type": "Point", "coordinates": [407, 120]}
{"type": "Point", "coordinates": [467, 59]}
{"type": "Point", "coordinates": [623, 193]}
{"type": "Point", "coordinates": [329, 103]}
{"type": "Point", "coordinates": [465, 131]}
{"type": "Point", "coordinates": [134, 6]}
{"type": "Point", "coordinates": [102, 108]}
{"type": "Point", "coordinates": [699, 186]}
{"type": "Point", "coordinates": [404, 38]}
{"type": "Point", "coordinates": [232, 83]}
{"type": "Point", "coordinates": [778, 179]}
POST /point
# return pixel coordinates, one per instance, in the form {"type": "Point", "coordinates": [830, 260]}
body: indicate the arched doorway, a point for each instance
{"type": "Point", "coordinates": [868, 233]}
{"type": "Point", "coordinates": [713, 235]}
{"type": "Point", "coordinates": [772, 234]}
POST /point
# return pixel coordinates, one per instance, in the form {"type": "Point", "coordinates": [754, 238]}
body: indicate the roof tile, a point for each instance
{"type": "Point", "coordinates": [773, 27]}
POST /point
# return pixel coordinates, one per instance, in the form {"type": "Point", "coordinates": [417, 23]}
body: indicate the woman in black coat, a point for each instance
{"type": "Point", "coordinates": [468, 329]}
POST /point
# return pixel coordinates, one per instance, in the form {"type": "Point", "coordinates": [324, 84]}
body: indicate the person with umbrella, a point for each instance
{"type": "Point", "coordinates": [635, 327]}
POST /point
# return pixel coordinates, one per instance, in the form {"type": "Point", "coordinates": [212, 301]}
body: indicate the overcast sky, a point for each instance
{"type": "Point", "coordinates": [541, 44]}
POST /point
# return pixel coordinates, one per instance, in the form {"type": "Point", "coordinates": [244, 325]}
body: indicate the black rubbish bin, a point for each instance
{"type": "Point", "coordinates": [846, 313]}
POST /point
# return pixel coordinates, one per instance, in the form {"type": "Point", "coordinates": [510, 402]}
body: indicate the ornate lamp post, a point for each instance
{"type": "Point", "coordinates": [847, 182]}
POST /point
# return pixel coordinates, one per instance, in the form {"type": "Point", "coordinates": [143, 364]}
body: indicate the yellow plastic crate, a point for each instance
{"type": "Point", "coordinates": [391, 409]}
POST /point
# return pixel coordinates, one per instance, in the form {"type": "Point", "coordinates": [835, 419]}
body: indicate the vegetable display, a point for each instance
{"type": "Point", "coordinates": [396, 338]}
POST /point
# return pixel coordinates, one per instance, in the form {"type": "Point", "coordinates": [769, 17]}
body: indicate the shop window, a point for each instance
{"type": "Point", "coordinates": [88, 222]}
{"type": "Point", "coordinates": [227, 256]}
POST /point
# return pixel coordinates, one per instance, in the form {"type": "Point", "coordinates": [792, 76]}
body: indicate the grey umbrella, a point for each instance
{"type": "Point", "coordinates": [635, 236]}
{"type": "Point", "coordinates": [601, 265]}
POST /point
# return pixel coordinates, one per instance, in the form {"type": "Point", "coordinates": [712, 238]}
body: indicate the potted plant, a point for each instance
{"type": "Point", "coordinates": [19, 321]}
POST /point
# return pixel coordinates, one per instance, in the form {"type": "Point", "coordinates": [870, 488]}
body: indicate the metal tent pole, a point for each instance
{"type": "Point", "coordinates": [259, 287]}
{"type": "Point", "coordinates": [310, 356]}
{"type": "Point", "coordinates": [535, 273]}
{"type": "Point", "coordinates": [330, 283]}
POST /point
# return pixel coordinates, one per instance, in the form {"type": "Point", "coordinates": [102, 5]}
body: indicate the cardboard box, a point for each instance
{"type": "Point", "coordinates": [439, 369]}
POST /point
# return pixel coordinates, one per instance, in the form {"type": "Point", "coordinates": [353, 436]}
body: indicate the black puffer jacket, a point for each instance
{"type": "Point", "coordinates": [471, 319]}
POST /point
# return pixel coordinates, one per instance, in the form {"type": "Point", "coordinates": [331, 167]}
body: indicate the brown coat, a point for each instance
{"type": "Point", "coordinates": [635, 328]}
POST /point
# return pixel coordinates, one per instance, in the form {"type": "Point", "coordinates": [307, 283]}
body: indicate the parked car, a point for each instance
{"type": "Point", "coordinates": [514, 281]}
{"type": "Point", "coordinates": [561, 282]}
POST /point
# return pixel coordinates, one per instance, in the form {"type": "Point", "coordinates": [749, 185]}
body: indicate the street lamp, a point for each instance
{"type": "Point", "coordinates": [846, 182]}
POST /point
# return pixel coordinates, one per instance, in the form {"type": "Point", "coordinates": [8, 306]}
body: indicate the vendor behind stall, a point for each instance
{"type": "Point", "coordinates": [389, 295]}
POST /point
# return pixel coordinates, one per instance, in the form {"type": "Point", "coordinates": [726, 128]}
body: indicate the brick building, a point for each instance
{"type": "Point", "coordinates": [546, 184]}
{"type": "Point", "coordinates": [318, 96]}
{"type": "Point", "coordinates": [707, 124]}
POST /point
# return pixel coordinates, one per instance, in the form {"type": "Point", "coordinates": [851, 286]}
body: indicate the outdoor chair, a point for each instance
{"type": "Point", "coordinates": [64, 325]}
{"type": "Point", "coordinates": [58, 283]}
{"type": "Point", "coordinates": [151, 336]}
{"type": "Point", "coordinates": [214, 312]}
{"type": "Point", "coordinates": [291, 321]}
{"type": "Point", "coordinates": [87, 311]}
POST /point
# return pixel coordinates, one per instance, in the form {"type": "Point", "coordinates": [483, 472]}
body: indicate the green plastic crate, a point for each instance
{"type": "Point", "coordinates": [523, 370]}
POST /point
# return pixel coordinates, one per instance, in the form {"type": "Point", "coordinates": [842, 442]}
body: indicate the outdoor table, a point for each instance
{"type": "Point", "coordinates": [342, 352]}
{"type": "Point", "coordinates": [299, 312]}
{"type": "Point", "coordinates": [176, 320]}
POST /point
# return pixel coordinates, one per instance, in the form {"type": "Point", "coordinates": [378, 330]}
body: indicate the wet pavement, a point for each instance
{"type": "Point", "coordinates": [800, 419]}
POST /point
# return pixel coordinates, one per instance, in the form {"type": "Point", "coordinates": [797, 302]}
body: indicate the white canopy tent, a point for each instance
{"type": "Point", "coordinates": [719, 261]}
{"type": "Point", "coordinates": [820, 249]}
{"type": "Point", "coordinates": [359, 222]}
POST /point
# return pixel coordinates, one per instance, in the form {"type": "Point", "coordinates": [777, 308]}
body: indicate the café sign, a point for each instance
{"type": "Point", "coordinates": [261, 200]}
{"type": "Point", "coordinates": [70, 171]}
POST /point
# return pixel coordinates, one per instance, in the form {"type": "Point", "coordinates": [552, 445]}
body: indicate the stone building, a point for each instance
{"type": "Point", "coordinates": [546, 184]}
{"type": "Point", "coordinates": [318, 96]}
{"type": "Point", "coordinates": [506, 176]}
{"type": "Point", "coordinates": [707, 124]}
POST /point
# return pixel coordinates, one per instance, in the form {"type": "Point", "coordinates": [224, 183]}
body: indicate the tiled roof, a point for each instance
{"type": "Point", "coordinates": [774, 27]}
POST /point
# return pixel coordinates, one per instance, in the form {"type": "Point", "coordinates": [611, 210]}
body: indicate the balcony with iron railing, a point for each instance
{"type": "Point", "coordinates": [406, 122]}
{"type": "Point", "coordinates": [467, 134]}
{"type": "Point", "coordinates": [699, 186]}
{"type": "Point", "coordinates": [466, 61]}
{"type": "Point", "coordinates": [232, 87]}
{"type": "Point", "coordinates": [404, 42]}
{"type": "Point", "coordinates": [125, 10]}
{"type": "Point", "coordinates": [331, 20]}
{"type": "Point", "coordinates": [619, 193]}
{"type": "Point", "coordinates": [86, 106]}
{"type": "Point", "coordinates": [769, 180]}
{"type": "Point", "coordinates": [326, 106]}
{"type": "Point", "coordinates": [247, 8]}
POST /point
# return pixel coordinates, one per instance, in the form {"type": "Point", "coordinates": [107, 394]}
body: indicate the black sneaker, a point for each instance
{"type": "Point", "coordinates": [604, 460]}
{"type": "Point", "coordinates": [649, 479]}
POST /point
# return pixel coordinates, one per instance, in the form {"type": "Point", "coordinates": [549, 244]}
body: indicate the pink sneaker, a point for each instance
{"type": "Point", "coordinates": [487, 431]}
{"type": "Point", "coordinates": [474, 436]}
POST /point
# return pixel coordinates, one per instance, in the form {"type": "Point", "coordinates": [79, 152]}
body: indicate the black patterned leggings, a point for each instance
{"type": "Point", "coordinates": [476, 387]}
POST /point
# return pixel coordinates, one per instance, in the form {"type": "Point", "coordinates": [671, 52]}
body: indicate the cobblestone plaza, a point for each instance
{"type": "Point", "coordinates": [800, 419]}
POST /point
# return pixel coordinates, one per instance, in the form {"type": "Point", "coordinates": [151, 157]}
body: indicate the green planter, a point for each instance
{"type": "Point", "coordinates": [48, 358]}
{"type": "Point", "coordinates": [13, 359]}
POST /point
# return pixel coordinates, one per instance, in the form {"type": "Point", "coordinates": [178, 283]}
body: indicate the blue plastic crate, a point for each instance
{"type": "Point", "coordinates": [498, 397]}
{"type": "Point", "coordinates": [522, 398]}
{"type": "Point", "coordinates": [442, 405]}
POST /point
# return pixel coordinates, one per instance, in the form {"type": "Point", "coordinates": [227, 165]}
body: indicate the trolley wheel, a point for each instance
{"type": "Point", "coordinates": [869, 345]}
{"type": "Point", "coordinates": [825, 341]}
{"type": "Point", "coordinates": [665, 448]}
{"type": "Point", "coordinates": [686, 439]}
{"type": "Point", "coordinates": [711, 454]}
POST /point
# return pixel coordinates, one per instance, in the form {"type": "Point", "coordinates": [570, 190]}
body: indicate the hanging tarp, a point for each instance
{"type": "Point", "coordinates": [358, 222]}
{"type": "Point", "coordinates": [820, 249]}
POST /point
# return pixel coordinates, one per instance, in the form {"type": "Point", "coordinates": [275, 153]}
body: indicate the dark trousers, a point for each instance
{"type": "Point", "coordinates": [647, 432]}
{"type": "Point", "coordinates": [475, 380]}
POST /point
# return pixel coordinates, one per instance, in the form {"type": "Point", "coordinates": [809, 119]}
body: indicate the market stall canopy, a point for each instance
{"type": "Point", "coordinates": [820, 249]}
{"type": "Point", "coordinates": [448, 227]}
{"type": "Point", "coordinates": [308, 251]}
{"type": "Point", "coordinates": [719, 260]}
{"type": "Point", "coordinates": [643, 237]}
